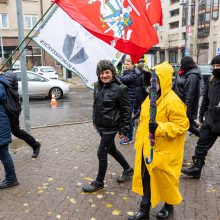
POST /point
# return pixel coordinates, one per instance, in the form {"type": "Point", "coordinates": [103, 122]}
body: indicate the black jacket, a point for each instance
{"type": "Point", "coordinates": [111, 107]}
{"type": "Point", "coordinates": [210, 101]}
{"type": "Point", "coordinates": [128, 78]}
{"type": "Point", "coordinates": [187, 87]}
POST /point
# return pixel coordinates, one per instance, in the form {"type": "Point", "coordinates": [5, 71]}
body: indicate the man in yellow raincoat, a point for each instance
{"type": "Point", "coordinates": [159, 181]}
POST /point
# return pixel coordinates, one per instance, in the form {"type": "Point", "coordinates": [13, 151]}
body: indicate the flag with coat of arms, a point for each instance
{"type": "Point", "coordinates": [127, 25]}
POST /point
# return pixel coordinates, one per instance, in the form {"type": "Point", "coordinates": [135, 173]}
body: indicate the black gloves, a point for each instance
{"type": "Point", "coordinates": [201, 119]}
{"type": "Point", "coordinates": [153, 127]}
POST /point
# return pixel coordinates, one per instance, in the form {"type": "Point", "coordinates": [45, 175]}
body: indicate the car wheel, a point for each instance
{"type": "Point", "coordinates": [57, 93]}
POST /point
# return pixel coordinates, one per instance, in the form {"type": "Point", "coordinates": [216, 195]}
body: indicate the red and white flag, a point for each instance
{"type": "Point", "coordinates": [124, 24]}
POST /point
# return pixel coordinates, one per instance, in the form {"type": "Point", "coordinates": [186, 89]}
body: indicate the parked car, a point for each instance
{"type": "Point", "coordinates": [206, 71]}
{"type": "Point", "coordinates": [46, 71]}
{"type": "Point", "coordinates": [39, 86]}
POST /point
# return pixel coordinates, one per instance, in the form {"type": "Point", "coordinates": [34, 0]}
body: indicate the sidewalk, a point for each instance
{"type": "Point", "coordinates": [50, 186]}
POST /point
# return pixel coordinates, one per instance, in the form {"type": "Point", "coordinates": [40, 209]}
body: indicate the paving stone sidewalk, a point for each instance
{"type": "Point", "coordinates": [50, 186]}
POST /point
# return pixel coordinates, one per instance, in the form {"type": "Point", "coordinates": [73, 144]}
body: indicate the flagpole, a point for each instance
{"type": "Point", "coordinates": [26, 38]}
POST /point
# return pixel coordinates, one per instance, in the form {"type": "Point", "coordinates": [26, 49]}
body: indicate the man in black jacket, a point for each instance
{"type": "Point", "coordinates": [187, 86]}
{"type": "Point", "coordinates": [15, 127]}
{"type": "Point", "coordinates": [111, 115]}
{"type": "Point", "coordinates": [210, 130]}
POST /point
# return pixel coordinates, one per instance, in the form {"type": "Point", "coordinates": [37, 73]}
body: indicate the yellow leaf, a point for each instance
{"type": "Point", "coordinates": [125, 198]}
{"type": "Point", "coordinates": [49, 213]}
{"type": "Point", "coordinates": [92, 219]}
{"type": "Point", "coordinates": [40, 191]}
{"type": "Point", "coordinates": [91, 200]}
{"type": "Point", "coordinates": [130, 213]}
{"type": "Point", "coordinates": [25, 204]}
{"type": "Point", "coordinates": [112, 193]}
{"type": "Point", "coordinates": [88, 178]}
{"type": "Point", "coordinates": [39, 188]}
{"type": "Point", "coordinates": [50, 179]}
{"type": "Point", "coordinates": [58, 216]}
{"type": "Point", "coordinates": [44, 187]}
{"type": "Point", "coordinates": [116, 212]}
{"type": "Point", "coordinates": [79, 184]}
{"type": "Point", "coordinates": [72, 200]}
{"type": "Point", "coordinates": [45, 184]}
{"type": "Point", "coordinates": [60, 188]}
{"type": "Point", "coordinates": [93, 205]}
{"type": "Point", "coordinates": [108, 205]}
{"type": "Point", "coordinates": [99, 196]}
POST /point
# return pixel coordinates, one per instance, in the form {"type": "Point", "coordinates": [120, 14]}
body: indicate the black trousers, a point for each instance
{"type": "Point", "coordinates": [205, 142]}
{"type": "Point", "coordinates": [146, 184]}
{"type": "Point", "coordinates": [17, 132]}
{"type": "Point", "coordinates": [107, 146]}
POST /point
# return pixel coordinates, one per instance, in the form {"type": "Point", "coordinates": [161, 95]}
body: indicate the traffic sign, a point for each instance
{"type": "Point", "coordinates": [218, 51]}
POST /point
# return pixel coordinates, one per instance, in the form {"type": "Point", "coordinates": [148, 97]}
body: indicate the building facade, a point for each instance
{"type": "Point", "coordinates": [32, 12]}
{"type": "Point", "coordinates": [190, 27]}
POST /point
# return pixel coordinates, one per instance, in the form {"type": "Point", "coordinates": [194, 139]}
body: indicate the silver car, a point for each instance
{"type": "Point", "coordinates": [39, 86]}
{"type": "Point", "coordinates": [46, 71]}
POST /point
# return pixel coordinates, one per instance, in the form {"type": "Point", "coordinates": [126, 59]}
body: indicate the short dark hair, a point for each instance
{"type": "Point", "coordinates": [187, 63]}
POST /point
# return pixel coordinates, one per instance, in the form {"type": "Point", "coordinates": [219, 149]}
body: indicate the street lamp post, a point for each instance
{"type": "Point", "coordinates": [187, 13]}
{"type": "Point", "coordinates": [2, 50]}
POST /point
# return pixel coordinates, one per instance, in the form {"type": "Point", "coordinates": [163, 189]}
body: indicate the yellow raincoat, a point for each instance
{"type": "Point", "coordinates": [170, 137]}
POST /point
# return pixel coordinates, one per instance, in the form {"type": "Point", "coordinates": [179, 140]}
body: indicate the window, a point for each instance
{"type": "Point", "coordinates": [173, 56]}
{"type": "Point", "coordinates": [174, 12]}
{"type": "Point", "coordinates": [30, 21]}
{"type": "Point", "coordinates": [215, 9]}
{"type": "Point", "coordinates": [4, 21]}
{"type": "Point", "coordinates": [184, 35]}
{"type": "Point", "coordinates": [174, 1]}
{"type": "Point", "coordinates": [174, 25]}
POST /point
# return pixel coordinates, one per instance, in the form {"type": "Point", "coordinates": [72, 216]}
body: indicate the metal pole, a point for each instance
{"type": "Point", "coordinates": [186, 5]}
{"type": "Point", "coordinates": [2, 50]}
{"type": "Point", "coordinates": [25, 97]}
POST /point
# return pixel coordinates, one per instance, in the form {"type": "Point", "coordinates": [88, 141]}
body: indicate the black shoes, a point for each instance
{"type": "Point", "coordinates": [166, 212]}
{"type": "Point", "coordinates": [143, 213]}
{"type": "Point", "coordinates": [195, 170]}
{"type": "Point", "coordinates": [6, 184]}
{"type": "Point", "coordinates": [125, 176]}
{"type": "Point", "coordinates": [93, 187]}
{"type": "Point", "coordinates": [36, 150]}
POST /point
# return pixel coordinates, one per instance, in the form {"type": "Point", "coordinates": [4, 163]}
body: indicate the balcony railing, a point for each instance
{"type": "Point", "coordinates": [4, 1]}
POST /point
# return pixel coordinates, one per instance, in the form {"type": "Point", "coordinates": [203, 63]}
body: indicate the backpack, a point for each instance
{"type": "Point", "coordinates": [12, 105]}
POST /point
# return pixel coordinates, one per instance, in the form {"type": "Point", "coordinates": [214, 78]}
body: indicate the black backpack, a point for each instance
{"type": "Point", "coordinates": [12, 105]}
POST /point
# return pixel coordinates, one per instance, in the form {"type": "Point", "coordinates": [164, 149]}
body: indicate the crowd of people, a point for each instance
{"type": "Point", "coordinates": [121, 98]}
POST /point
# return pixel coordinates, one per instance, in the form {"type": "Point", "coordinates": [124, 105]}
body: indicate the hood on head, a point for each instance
{"type": "Point", "coordinates": [164, 72]}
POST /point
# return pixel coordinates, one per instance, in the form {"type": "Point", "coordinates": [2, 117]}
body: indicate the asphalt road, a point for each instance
{"type": "Point", "coordinates": [76, 107]}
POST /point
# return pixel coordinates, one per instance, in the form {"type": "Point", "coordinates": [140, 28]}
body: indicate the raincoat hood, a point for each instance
{"type": "Point", "coordinates": [164, 72]}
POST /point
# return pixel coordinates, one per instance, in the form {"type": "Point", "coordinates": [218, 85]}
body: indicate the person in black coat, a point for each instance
{"type": "Point", "coordinates": [129, 78]}
{"type": "Point", "coordinates": [111, 115]}
{"type": "Point", "coordinates": [15, 125]}
{"type": "Point", "coordinates": [187, 86]}
{"type": "Point", "coordinates": [210, 130]}
{"type": "Point", "coordinates": [5, 138]}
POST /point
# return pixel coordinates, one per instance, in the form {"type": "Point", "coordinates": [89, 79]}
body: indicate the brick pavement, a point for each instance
{"type": "Point", "coordinates": [50, 186]}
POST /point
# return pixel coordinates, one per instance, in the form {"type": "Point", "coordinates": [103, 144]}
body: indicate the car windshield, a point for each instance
{"type": "Point", "coordinates": [206, 69]}
{"type": "Point", "coordinates": [46, 70]}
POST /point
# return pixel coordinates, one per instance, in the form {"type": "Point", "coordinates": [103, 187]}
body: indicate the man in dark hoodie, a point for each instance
{"type": "Point", "coordinates": [5, 138]}
{"type": "Point", "coordinates": [15, 127]}
{"type": "Point", "coordinates": [187, 86]}
{"type": "Point", "coordinates": [210, 130]}
{"type": "Point", "coordinates": [129, 79]}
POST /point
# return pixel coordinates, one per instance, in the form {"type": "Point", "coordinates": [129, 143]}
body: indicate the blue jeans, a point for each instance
{"type": "Point", "coordinates": [131, 126]}
{"type": "Point", "coordinates": [8, 164]}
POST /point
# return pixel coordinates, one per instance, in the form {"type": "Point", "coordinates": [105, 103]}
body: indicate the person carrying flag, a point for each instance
{"type": "Point", "coordinates": [158, 181]}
